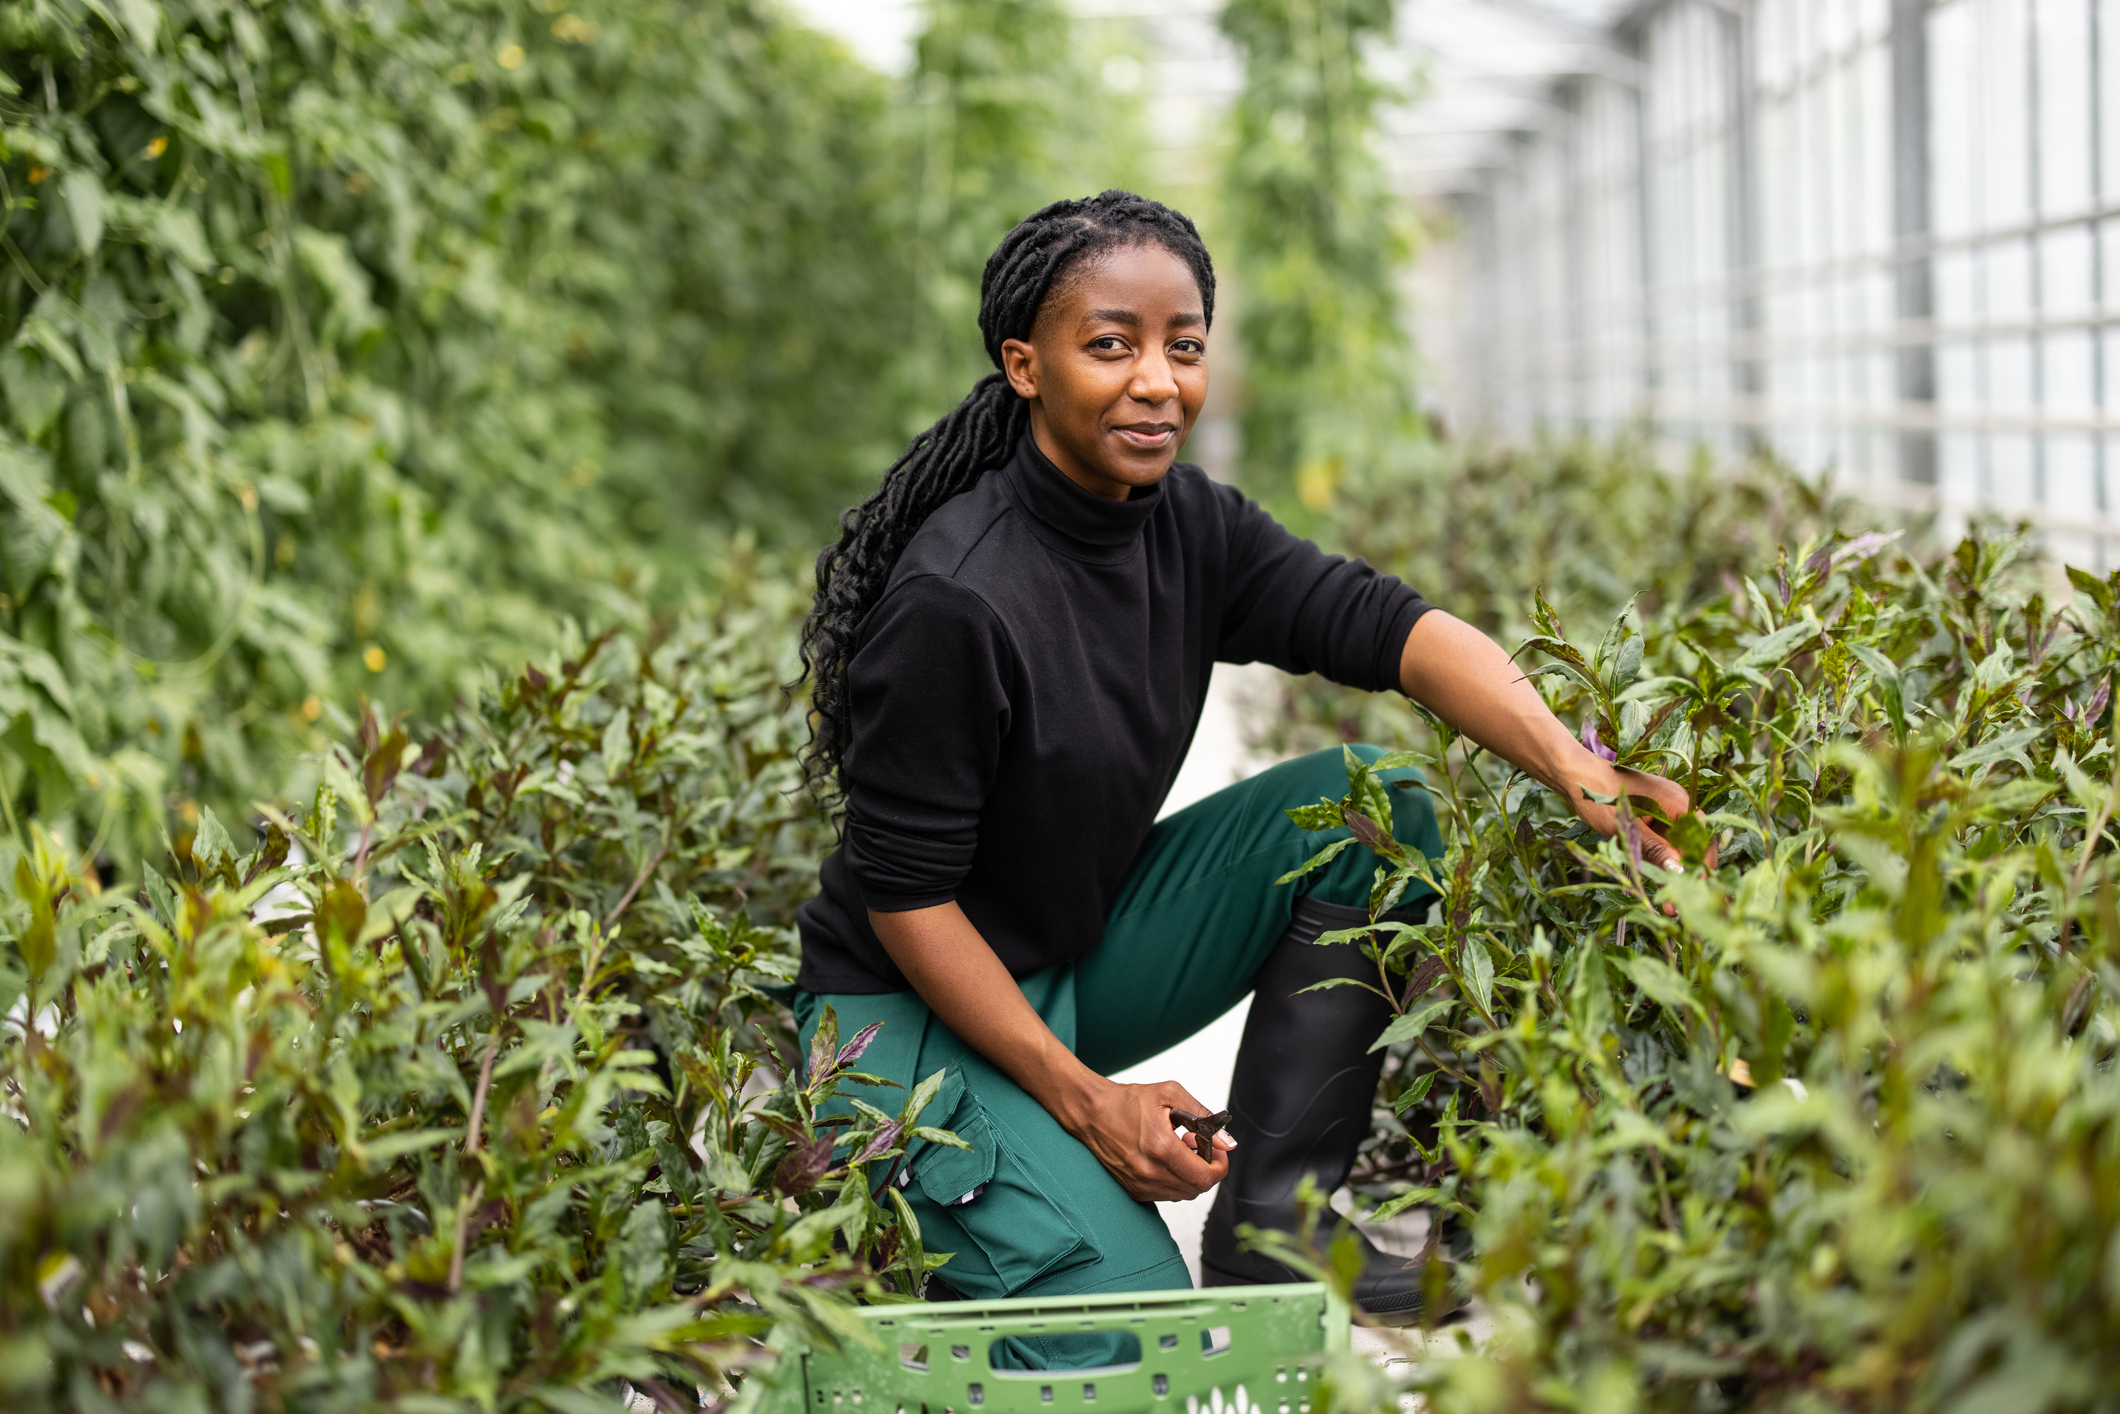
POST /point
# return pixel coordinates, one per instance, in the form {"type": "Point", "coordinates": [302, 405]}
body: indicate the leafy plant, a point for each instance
{"type": "Point", "coordinates": [1593, 524]}
{"type": "Point", "coordinates": [1319, 238]}
{"type": "Point", "coordinates": [467, 1084]}
{"type": "Point", "coordinates": [344, 349]}
{"type": "Point", "coordinates": [1828, 1118]}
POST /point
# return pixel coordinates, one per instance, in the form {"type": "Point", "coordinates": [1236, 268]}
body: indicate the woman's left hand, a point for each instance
{"type": "Point", "coordinates": [1640, 787]}
{"type": "Point", "coordinates": [1464, 677]}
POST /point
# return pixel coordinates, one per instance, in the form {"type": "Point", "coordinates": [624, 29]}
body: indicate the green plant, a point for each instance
{"type": "Point", "coordinates": [1829, 1119]}
{"type": "Point", "coordinates": [1318, 239]}
{"type": "Point", "coordinates": [345, 348]}
{"type": "Point", "coordinates": [464, 1089]}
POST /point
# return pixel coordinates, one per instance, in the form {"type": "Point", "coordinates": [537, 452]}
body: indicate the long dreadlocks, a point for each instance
{"type": "Point", "coordinates": [977, 436]}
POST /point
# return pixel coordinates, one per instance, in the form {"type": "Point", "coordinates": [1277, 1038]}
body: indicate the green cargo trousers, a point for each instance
{"type": "Point", "coordinates": [1194, 920]}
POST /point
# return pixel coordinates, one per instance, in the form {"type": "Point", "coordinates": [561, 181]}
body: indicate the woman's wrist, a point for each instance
{"type": "Point", "coordinates": [1071, 1093]}
{"type": "Point", "coordinates": [1569, 767]}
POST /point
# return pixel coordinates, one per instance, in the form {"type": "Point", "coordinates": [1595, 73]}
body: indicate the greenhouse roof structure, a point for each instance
{"type": "Point", "coordinates": [1476, 72]}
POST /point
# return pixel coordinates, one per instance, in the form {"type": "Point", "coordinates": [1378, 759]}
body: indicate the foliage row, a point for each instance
{"type": "Point", "coordinates": [465, 1087]}
{"type": "Point", "coordinates": [1828, 1119]}
{"type": "Point", "coordinates": [1319, 238]}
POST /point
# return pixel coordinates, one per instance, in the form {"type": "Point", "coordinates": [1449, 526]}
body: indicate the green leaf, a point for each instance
{"type": "Point", "coordinates": [1410, 1026]}
{"type": "Point", "coordinates": [921, 1097]}
{"type": "Point", "coordinates": [1322, 816]}
{"type": "Point", "coordinates": [36, 940]}
{"type": "Point", "coordinates": [1778, 645]}
{"type": "Point", "coordinates": [1319, 860]}
{"type": "Point", "coordinates": [210, 845]}
{"type": "Point", "coordinates": [142, 18]}
{"type": "Point", "coordinates": [937, 1136]}
{"type": "Point", "coordinates": [1400, 1202]}
{"type": "Point", "coordinates": [1661, 984]}
{"type": "Point", "coordinates": [385, 1149]}
{"type": "Point", "coordinates": [1478, 970]}
{"type": "Point", "coordinates": [2009, 746]}
{"type": "Point", "coordinates": [83, 196]}
{"type": "Point", "coordinates": [1876, 662]}
{"type": "Point", "coordinates": [1415, 1093]}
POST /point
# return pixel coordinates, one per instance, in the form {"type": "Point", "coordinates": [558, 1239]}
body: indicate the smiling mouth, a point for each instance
{"type": "Point", "coordinates": [1148, 435]}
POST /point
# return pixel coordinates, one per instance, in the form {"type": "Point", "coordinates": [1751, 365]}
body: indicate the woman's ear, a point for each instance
{"type": "Point", "coordinates": [1019, 363]}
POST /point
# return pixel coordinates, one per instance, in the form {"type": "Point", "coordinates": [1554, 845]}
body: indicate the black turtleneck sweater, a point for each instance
{"type": "Point", "coordinates": [1026, 688]}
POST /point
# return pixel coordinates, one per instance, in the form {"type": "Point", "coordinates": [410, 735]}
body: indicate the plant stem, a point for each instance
{"type": "Point", "coordinates": [463, 1226]}
{"type": "Point", "coordinates": [478, 1096]}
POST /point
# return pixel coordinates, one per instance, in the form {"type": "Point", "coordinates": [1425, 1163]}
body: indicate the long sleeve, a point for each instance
{"type": "Point", "coordinates": [1288, 603]}
{"type": "Point", "coordinates": [928, 694]}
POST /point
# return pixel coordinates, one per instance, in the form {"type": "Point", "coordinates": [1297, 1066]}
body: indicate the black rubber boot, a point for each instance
{"type": "Point", "coordinates": [1300, 1103]}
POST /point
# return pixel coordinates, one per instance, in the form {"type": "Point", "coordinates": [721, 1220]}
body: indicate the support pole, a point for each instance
{"type": "Point", "coordinates": [1914, 283]}
{"type": "Point", "coordinates": [1747, 374]}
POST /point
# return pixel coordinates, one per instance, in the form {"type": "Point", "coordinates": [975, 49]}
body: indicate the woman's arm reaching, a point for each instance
{"type": "Point", "coordinates": [1127, 1127]}
{"type": "Point", "coordinates": [1464, 677]}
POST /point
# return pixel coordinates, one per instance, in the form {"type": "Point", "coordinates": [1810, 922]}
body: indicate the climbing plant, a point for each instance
{"type": "Point", "coordinates": [345, 348]}
{"type": "Point", "coordinates": [1317, 241]}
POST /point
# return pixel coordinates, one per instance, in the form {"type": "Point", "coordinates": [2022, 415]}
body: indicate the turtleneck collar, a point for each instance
{"type": "Point", "coordinates": [1071, 520]}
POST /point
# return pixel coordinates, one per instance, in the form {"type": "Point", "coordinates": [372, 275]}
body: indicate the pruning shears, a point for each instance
{"type": "Point", "coordinates": [1203, 1129]}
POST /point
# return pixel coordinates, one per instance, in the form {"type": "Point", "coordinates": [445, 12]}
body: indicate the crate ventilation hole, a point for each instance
{"type": "Point", "coordinates": [1242, 1403]}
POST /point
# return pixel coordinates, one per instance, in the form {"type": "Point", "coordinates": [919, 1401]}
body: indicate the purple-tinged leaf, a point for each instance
{"type": "Point", "coordinates": [1597, 748]}
{"type": "Point", "coordinates": [2096, 709]}
{"type": "Point", "coordinates": [1372, 835]}
{"type": "Point", "coordinates": [851, 1051]}
{"type": "Point", "coordinates": [1422, 981]}
{"type": "Point", "coordinates": [824, 1046]}
{"type": "Point", "coordinates": [1630, 830]}
{"type": "Point", "coordinates": [885, 1138]}
{"type": "Point", "coordinates": [803, 1164]}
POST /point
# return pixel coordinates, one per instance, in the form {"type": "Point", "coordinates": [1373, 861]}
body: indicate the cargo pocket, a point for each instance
{"type": "Point", "coordinates": [993, 1197]}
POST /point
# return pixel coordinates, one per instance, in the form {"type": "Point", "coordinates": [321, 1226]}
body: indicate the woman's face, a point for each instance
{"type": "Point", "coordinates": [1116, 369]}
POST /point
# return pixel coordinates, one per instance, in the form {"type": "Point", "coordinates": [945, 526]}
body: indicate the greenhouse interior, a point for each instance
{"type": "Point", "coordinates": [1874, 235]}
{"type": "Point", "coordinates": [633, 778]}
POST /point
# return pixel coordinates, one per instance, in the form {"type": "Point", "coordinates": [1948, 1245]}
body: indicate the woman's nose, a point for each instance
{"type": "Point", "coordinates": [1153, 381]}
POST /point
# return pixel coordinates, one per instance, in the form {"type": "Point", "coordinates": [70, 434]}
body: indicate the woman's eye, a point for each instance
{"type": "Point", "coordinates": [1189, 346]}
{"type": "Point", "coordinates": [1109, 342]}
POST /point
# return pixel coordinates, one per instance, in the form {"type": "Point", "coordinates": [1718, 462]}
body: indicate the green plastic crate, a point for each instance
{"type": "Point", "coordinates": [1226, 1351]}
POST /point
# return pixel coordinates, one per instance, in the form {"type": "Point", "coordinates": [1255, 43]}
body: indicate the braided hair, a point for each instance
{"type": "Point", "coordinates": [975, 437]}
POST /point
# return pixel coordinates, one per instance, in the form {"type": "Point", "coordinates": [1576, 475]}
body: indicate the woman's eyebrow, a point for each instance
{"type": "Point", "coordinates": [1128, 316]}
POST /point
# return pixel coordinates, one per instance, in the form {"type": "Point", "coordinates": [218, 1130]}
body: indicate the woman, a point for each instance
{"type": "Point", "coordinates": [1010, 646]}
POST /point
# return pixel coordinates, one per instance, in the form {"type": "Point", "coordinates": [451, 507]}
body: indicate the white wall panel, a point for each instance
{"type": "Point", "coordinates": [1732, 246]}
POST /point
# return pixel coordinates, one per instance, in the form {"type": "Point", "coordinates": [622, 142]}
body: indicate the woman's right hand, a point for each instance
{"type": "Point", "coordinates": [1129, 1129]}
